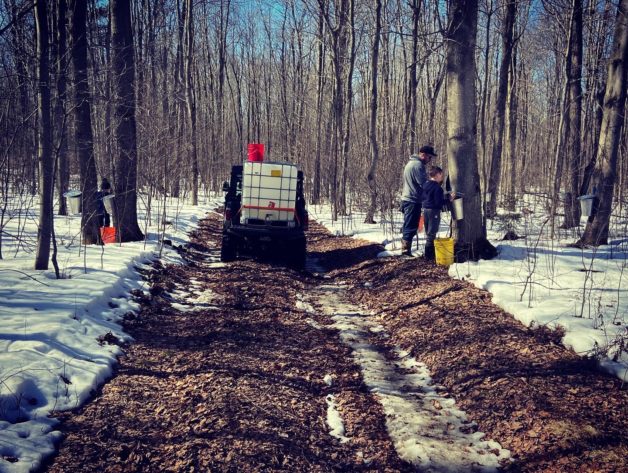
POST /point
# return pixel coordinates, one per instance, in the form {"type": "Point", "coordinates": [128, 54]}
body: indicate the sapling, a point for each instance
{"type": "Point", "coordinates": [588, 279]}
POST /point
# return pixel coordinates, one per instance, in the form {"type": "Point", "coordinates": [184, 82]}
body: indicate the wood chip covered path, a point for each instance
{"type": "Point", "coordinates": [241, 367]}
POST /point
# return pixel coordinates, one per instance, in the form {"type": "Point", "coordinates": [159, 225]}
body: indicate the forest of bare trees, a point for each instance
{"type": "Point", "coordinates": [163, 96]}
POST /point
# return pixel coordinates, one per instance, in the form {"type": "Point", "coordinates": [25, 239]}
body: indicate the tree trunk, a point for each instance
{"type": "Point", "coordinates": [370, 215]}
{"type": "Point", "coordinates": [511, 134]}
{"type": "Point", "coordinates": [483, 104]}
{"type": "Point", "coordinates": [44, 154]}
{"type": "Point", "coordinates": [596, 231]}
{"type": "Point", "coordinates": [83, 124]}
{"type": "Point", "coordinates": [572, 206]}
{"type": "Point", "coordinates": [316, 183]}
{"type": "Point", "coordinates": [564, 130]}
{"type": "Point", "coordinates": [462, 129]}
{"type": "Point", "coordinates": [190, 98]}
{"type": "Point", "coordinates": [348, 99]}
{"type": "Point", "coordinates": [413, 80]}
{"type": "Point", "coordinates": [63, 178]}
{"type": "Point", "coordinates": [125, 214]}
{"type": "Point", "coordinates": [500, 105]}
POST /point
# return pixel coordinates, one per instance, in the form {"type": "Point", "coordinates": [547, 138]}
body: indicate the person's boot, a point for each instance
{"type": "Point", "coordinates": [406, 248]}
{"type": "Point", "coordinates": [430, 253]}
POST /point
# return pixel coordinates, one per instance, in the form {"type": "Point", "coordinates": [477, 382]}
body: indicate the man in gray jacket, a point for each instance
{"type": "Point", "coordinates": [414, 176]}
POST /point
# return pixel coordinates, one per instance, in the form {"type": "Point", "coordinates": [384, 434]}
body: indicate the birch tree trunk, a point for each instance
{"type": "Point", "coordinates": [44, 154]}
{"type": "Point", "coordinates": [471, 242]}
{"type": "Point", "coordinates": [125, 214]}
{"type": "Point", "coordinates": [596, 231]}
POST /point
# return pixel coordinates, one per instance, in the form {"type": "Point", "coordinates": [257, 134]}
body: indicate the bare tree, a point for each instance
{"type": "Point", "coordinates": [125, 212]}
{"type": "Point", "coordinates": [508, 28]}
{"type": "Point", "coordinates": [471, 242]}
{"type": "Point", "coordinates": [63, 169]}
{"type": "Point", "coordinates": [83, 124]}
{"type": "Point", "coordinates": [574, 69]}
{"type": "Point", "coordinates": [44, 155]}
{"type": "Point", "coordinates": [190, 95]}
{"type": "Point", "coordinates": [370, 216]}
{"type": "Point", "coordinates": [596, 231]}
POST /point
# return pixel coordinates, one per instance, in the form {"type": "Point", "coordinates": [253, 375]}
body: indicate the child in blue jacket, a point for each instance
{"type": "Point", "coordinates": [433, 200]}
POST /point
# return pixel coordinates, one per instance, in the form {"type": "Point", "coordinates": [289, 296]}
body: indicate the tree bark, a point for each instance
{"type": "Point", "coordinates": [511, 133]}
{"type": "Point", "coordinates": [471, 242]}
{"type": "Point", "coordinates": [63, 175]}
{"type": "Point", "coordinates": [574, 68]}
{"type": "Point", "coordinates": [316, 183]}
{"type": "Point", "coordinates": [83, 124]}
{"type": "Point", "coordinates": [44, 154]}
{"type": "Point", "coordinates": [500, 105]}
{"type": "Point", "coordinates": [371, 177]}
{"type": "Point", "coordinates": [413, 80]}
{"type": "Point", "coordinates": [125, 212]}
{"type": "Point", "coordinates": [596, 231]}
{"type": "Point", "coordinates": [190, 96]}
{"type": "Point", "coordinates": [564, 130]}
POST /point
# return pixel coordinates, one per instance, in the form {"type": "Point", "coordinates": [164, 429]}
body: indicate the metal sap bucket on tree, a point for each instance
{"type": "Point", "coordinates": [586, 204]}
{"type": "Point", "coordinates": [74, 201]}
{"type": "Point", "coordinates": [457, 207]}
{"type": "Point", "coordinates": [108, 201]}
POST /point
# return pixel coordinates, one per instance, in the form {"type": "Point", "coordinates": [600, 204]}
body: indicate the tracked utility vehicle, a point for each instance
{"type": "Point", "coordinates": [265, 212]}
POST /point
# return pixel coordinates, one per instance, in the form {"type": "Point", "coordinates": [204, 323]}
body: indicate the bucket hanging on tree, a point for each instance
{"type": "Point", "coordinates": [586, 204]}
{"type": "Point", "coordinates": [108, 235]}
{"type": "Point", "coordinates": [74, 201]}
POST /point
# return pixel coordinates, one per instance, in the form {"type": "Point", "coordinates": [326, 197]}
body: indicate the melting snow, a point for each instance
{"type": "Point", "coordinates": [427, 428]}
{"type": "Point", "coordinates": [334, 420]}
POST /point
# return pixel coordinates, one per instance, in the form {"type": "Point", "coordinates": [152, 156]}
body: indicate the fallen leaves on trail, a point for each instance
{"type": "Point", "coordinates": [242, 387]}
{"type": "Point", "coordinates": [236, 387]}
{"type": "Point", "coordinates": [553, 409]}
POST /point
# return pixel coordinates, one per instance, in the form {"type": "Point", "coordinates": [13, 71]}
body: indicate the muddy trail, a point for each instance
{"type": "Point", "coordinates": [356, 364]}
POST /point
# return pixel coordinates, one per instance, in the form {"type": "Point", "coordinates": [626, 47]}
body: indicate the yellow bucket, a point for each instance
{"type": "Point", "coordinates": [444, 251]}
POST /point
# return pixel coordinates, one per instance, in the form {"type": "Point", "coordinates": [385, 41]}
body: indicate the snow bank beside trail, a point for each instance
{"type": "Point", "coordinates": [583, 291]}
{"type": "Point", "coordinates": [54, 333]}
{"type": "Point", "coordinates": [537, 279]}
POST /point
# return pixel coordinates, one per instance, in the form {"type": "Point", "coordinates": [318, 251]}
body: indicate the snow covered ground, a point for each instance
{"type": "Point", "coordinates": [538, 279]}
{"type": "Point", "coordinates": [54, 333]}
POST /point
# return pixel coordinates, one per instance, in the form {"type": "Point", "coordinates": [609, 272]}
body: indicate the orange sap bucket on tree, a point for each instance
{"type": "Point", "coordinates": [108, 234]}
{"type": "Point", "coordinates": [256, 152]}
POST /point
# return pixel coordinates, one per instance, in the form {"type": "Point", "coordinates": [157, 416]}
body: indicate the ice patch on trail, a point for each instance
{"type": "Point", "coordinates": [427, 429]}
{"type": "Point", "coordinates": [314, 324]}
{"type": "Point", "coordinates": [194, 299]}
{"type": "Point", "coordinates": [334, 420]}
{"type": "Point", "coordinates": [304, 305]}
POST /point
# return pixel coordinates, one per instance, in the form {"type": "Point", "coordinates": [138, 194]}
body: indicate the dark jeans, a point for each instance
{"type": "Point", "coordinates": [431, 221]}
{"type": "Point", "coordinates": [104, 220]}
{"type": "Point", "coordinates": [411, 215]}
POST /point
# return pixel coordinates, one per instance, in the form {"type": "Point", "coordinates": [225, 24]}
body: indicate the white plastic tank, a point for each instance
{"type": "Point", "coordinates": [269, 192]}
